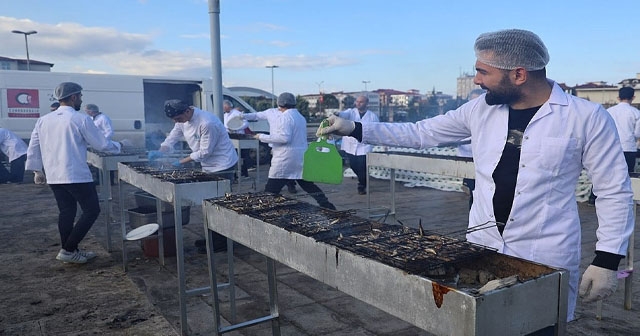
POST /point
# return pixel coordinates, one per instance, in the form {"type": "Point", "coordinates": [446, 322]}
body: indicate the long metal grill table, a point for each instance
{"type": "Point", "coordinates": [436, 282]}
{"type": "Point", "coordinates": [425, 163]}
{"type": "Point", "coordinates": [179, 187]}
{"type": "Point", "coordinates": [107, 163]}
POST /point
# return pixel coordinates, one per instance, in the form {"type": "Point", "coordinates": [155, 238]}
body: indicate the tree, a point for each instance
{"type": "Point", "coordinates": [303, 106]}
{"type": "Point", "coordinates": [348, 102]}
{"type": "Point", "coordinates": [330, 101]}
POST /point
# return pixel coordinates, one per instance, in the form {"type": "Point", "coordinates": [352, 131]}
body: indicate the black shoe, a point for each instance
{"type": "Point", "coordinates": [362, 192]}
{"type": "Point", "coordinates": [292, 189]}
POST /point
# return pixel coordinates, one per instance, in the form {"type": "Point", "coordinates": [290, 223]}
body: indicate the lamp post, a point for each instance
{"type": "Point", "coordinates": [320, 95]}
{"type": "Point", "coordinates": [26, 43]}
{"type": "Point", "coordinates": [365, 85]}
{"type": "Point", "coordinates": [272, 90]}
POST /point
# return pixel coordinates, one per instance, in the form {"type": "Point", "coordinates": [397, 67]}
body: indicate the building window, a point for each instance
{"type": "Point", "coordinates": [5, 66]}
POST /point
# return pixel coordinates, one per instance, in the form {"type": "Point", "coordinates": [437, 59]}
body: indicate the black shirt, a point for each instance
{"type": "Point", "coordinates": [506, 172]}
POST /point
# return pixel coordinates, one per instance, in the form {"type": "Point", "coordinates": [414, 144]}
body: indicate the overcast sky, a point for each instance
{"type": "Point", "coordinates": [333, 45]}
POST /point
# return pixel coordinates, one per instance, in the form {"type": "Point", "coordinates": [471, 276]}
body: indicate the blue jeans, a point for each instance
{"type": "Point", "coordinates": [68, 196]}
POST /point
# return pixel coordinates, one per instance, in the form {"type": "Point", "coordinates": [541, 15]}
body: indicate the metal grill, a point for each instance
{"type": "Point", "coordinates": [409, 249]}
{"type": "Point", "coordinates": [124, 152]}
{"type": "Point", "coordinates": [177, 176]}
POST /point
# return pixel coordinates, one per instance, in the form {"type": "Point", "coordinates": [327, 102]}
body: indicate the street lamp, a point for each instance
{"type": "Point", "coordinates": [320, 95]}
{"type": "Point", "coordinates": [365, 85]}
{"type": "Point", "coordinates": [26, 43]}
{"type": "Point", "coordinates": [272, 90]}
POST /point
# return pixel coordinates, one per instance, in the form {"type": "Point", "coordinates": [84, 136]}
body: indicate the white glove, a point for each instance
{"type": "Point", "coordinates": [598, 283]}
{"type": "Point", "coordinates": [39, 178]}
{"type": "Point", "coordinates": [338, 126]}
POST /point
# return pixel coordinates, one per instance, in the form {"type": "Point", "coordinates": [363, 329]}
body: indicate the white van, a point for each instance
{"type": "Point", "coordinates": [135, 104]}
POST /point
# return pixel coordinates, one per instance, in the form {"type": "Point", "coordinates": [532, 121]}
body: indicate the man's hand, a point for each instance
{"type": "Point", "coordinates": [154, 154]}
{"type": "Point", "coordinates": [39, 178]}
{"type": "Point", "coordinates": [597, 283]}
{"type": "Point", "coordinates": [176, 163]}
{"type": "Point", "coordinates": [338, 126]}
{"type": "Point", "coordinates": [257, 136]}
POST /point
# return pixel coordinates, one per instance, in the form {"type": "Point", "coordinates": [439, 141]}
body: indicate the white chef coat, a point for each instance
{"type": "Point", "coordinates": [59, 144]}
{"type": "Point", "coordinates": [350, 144]}
{"type": "Point", "coordinates": [232, 114]}
{"type": "Point", "coordinates": [11, 145]}
{"type": "Point", "coordinates": [288, 140]}
{"type": "Point", "coordinates": [208, 139]}
{"type": "Point", "coordinates": [566, 134]}
{"type": "Point", "coordinates": [103, 123]}
{"type": "Point", "coordinates": [627, 119]}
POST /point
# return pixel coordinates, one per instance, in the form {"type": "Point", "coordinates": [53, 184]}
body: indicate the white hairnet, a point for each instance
{"type": "Point", "coordinates": [512, 48]}
{"type": "Point", "coordinates": [66, 89]}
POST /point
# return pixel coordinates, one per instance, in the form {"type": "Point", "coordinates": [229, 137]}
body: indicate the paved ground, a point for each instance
{"type": "Point", "coordinates": [41, 296]}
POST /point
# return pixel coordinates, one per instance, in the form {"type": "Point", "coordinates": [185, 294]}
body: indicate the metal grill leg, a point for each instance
{"type": "Point", "coordinates": [273, 297]}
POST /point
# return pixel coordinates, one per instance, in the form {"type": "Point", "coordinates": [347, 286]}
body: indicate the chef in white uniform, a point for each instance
{"type": "Point", "coordinates": [530, 142]}
{"type": "Point", "coordinates": [58, 147]}
{"type": "Point", "coordinates": [101, 120]}
{"type": "Point", "coordinates": [288, 138]}
{"type": "Point", "coordinates": [206, 136]}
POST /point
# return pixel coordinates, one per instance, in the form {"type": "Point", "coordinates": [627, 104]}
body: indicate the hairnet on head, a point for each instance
{"type": "Point", "coordinates": [286, 99]}
{"type": "Point", "coordinates": [175, 107]}
{"type": "Point", "coordinates": [512, 48]}
{"type": "Point", "coordinates": [92, 108]}
{"type": "Point", "coordinates": [66, 89]}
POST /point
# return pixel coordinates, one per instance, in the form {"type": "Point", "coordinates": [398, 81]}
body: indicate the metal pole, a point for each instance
{"type": "Point", "coordinates": [320, 97]}
{"type": "Point", "coordinates": [365, 85]}
{"type": "Point", "coordinates": [216, 58]}
{"type": "Point", "coordinates": [273, 95]}
{"type": "Point", "coordinates": [26, 43]}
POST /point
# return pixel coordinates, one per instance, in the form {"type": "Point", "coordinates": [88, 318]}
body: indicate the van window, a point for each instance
{"type": "Point", "coordinates": [236, 104]}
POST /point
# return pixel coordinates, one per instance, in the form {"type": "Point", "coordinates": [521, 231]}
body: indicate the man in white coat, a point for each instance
{"type": "Point", "coordinates": [627, 119]}
{"type": "Point", "coordinates": [530, 143]}
{"type": "Point", "coordinates": [101, 120]}
{"type": "Point", "coordinates": [232, 114]}
{"type": "Point", "coordinates": [206, 136]}
{"type": "Point", "coordinates": [103, 123]}
{"type": "Point", "coordinates": [16, 151]}
{"type": "Point", "coordinates": [357, 151]}
{"type": "Point", "coordinates": [288, 138]}
{"type": "Point", "coordinates": [58, 146]}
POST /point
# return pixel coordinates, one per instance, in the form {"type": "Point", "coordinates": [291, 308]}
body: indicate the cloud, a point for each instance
{"type": "Point", "coordinates": [74, 47]}
{"type": "Point", "coordinates": [68, 40]}
{"type": "Point", "coordinates": [296, 62]}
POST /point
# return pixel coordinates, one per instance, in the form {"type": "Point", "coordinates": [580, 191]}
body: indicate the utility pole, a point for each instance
{"type": "Point", "coordinates": [273, 95]}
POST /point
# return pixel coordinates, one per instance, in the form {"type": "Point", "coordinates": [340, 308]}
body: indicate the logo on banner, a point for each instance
{"type": "Point", "coordinates": [23, 103]}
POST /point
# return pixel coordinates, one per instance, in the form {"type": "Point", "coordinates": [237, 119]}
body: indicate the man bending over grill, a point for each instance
{"type": "Point", "coordinates": [530, 142]}
{"type": "Point", "coordinates": [206, 136]}
{"type": "Point", "coordinates": [288, 139]}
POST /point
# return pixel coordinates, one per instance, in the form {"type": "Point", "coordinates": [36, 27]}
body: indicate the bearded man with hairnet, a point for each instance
{"type": "Point", "coordinates": [530, 142]}
{"type": "Point", "coordinates": [58, 147]}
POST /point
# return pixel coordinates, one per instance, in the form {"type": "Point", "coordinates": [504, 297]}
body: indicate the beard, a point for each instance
{"type": "Point", "coordinates": [504, 93]}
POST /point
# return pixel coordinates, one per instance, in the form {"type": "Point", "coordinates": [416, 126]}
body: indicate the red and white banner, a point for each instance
{"type": "Point", "coordinates": [23, 103]}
